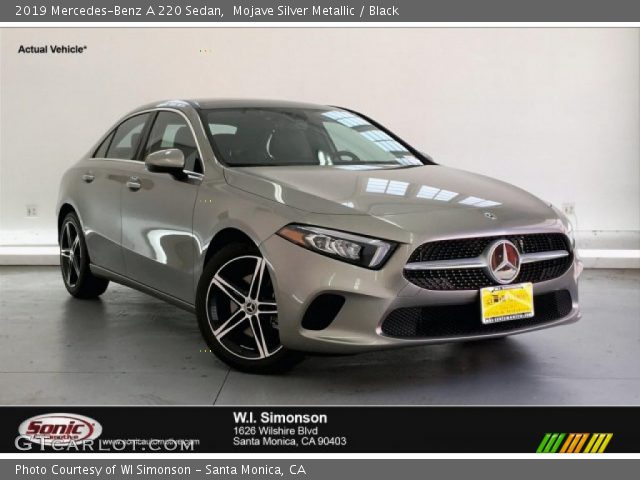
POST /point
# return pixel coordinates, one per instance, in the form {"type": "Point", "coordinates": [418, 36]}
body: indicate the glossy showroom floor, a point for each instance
{"type": "Point", "coordinates": [129, 348]}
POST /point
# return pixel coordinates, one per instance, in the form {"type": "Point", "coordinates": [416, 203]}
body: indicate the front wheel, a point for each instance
{"type": "Point", "coordinates": [238, 313]}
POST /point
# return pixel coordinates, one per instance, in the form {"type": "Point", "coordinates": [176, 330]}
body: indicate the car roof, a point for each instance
{"type": "Point", "coordinates": [213, 103]}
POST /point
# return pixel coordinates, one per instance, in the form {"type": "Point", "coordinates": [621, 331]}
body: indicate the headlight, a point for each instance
{"type": "Point", "coordinates": [364, 251]}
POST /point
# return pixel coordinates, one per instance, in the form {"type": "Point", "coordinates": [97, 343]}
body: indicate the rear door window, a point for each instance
{"type": "Point", "coordinates": [101, 151]}
{"type": "Point", "coordinates": [127, 138]}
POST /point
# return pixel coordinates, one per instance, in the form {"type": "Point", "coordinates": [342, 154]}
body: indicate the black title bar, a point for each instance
{"type": "Point", "coordinates": [259, 11]}
{"type": "Point", "coordinates": [320, 429]}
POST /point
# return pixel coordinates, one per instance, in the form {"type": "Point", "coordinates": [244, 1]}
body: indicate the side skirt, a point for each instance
{"type": "Point", "coordinates": [121, 279]}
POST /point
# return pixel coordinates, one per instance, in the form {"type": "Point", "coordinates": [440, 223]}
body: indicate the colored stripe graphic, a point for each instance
{"type": "Point", "coordinates": [581, 442]}
{"type": "Point", "coordinates": [574, 443]}
{"type": "Point", "coordinates": [555, 447]}
{"type": "Point", "coordinates": [550, 443]}
{"type": "Point", "coordinates": [591, 442]}
{"type": "Point", "coordinates": [567, 443]}
{"type": "Point", "coordinates": [544, 441]}
{"type": "Point", "coordinates": [604, 445]}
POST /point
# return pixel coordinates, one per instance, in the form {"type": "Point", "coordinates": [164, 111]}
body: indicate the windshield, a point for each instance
{"type": "Point", "coordinates": [301, 136]}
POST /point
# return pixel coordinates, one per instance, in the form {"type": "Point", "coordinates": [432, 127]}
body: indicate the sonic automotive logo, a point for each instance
{"type": "Point", "coordinates": [574, 443]}
{"type": "Point", "coordinates": [60, 429]}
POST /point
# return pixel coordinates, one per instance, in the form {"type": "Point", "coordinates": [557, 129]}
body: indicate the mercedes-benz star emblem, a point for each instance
{"type": "Point", "coordinates": [503, 261]}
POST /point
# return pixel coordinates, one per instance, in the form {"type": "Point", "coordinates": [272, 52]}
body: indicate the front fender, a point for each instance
{"type": "Point", "coordinates": [220, 206]}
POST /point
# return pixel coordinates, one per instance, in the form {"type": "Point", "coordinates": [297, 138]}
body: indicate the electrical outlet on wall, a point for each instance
{"type": "Point", "coordinates": [32, 210]}
{"type": "Point", "coordinates": [569, 208]}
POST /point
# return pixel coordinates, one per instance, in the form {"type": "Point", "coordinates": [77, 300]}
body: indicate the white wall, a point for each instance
{"type": "Point", "coordinates": [556, 111]}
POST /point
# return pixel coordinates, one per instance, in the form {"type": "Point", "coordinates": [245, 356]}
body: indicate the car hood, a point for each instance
{"type": "Point", "coordinates": [384, 191]}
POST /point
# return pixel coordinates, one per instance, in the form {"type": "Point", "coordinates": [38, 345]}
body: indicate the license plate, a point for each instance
{"type": "Point", "coordinates": [506, 302]}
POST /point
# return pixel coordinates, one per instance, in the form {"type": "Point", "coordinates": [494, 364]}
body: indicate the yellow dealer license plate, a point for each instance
{"type": "Point", "coordinates": [506, 302]}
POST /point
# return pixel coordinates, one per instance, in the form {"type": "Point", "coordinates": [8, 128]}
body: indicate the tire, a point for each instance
{"type": "Point", "coordinates": [74, 261]}
{"type": "Point", "coordinates": [237, 312]}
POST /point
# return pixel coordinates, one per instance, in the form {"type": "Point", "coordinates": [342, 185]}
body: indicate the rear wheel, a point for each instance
{"type": "Point", "coordinates": [238, 313]}
{"type": "Point", "coordinates": [74, 261]}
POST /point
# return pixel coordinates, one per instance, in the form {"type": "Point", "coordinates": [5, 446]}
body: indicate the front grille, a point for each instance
{"type": "Point", "coordinates": [473, 247]}
{"type": "Point", "coordinates": [450, 321]}
{"type": "Point", "coordinates": [476, 278]}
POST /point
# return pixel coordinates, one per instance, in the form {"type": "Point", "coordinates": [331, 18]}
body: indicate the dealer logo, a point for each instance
{"type": "Point", "coordinates": [60, 429]}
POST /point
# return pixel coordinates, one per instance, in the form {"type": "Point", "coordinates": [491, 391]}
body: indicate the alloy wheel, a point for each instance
{"type": "Point", "coordinates": [241, 308]}
{"type": "Point", "coordinates": [70, 254]}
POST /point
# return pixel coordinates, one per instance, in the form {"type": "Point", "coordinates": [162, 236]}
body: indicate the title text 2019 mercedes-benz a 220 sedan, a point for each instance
{"type": "Point", "coordinates": [290, 227]}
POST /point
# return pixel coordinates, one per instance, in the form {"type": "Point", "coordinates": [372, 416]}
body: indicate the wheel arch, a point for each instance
{"type": "Point", "coordinates": [223, 237]}
{"type": "Point", "coordinates": [65, 209]}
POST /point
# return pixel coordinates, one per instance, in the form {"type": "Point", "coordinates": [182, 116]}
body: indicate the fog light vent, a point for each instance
{"type": "Point", "coordinates": [322, 311]}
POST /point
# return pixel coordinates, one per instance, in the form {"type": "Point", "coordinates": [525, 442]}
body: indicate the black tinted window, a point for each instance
{"type": "Point", "coordinates": [171, 130]}
{"type": "Point", "coordinates": [101, 152]}
{"type": "Point", "coordinates": [301, 136]}
{"type": "Point", "coordinates": [127, 138]}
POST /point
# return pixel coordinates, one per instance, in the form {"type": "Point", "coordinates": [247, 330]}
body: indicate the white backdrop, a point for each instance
{"type": "Point", "coordinates": [556, 111]}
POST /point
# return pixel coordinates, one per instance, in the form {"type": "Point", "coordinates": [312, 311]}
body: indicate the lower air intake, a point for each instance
{"type": "Point", "coordinates": [446, 321]}
{"type": "Point", "coordinates": [322, 311]}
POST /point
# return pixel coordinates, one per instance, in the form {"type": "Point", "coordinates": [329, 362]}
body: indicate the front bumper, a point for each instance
{"type": "Point", "coordinates": [299, 276]}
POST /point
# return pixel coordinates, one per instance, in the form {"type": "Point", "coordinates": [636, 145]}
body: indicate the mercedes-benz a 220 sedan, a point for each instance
{"type": "Point", "coordinates": [290, 227]}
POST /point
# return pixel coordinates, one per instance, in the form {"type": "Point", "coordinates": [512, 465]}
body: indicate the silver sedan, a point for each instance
{"type": "Point", "coordinates": [290, 228]}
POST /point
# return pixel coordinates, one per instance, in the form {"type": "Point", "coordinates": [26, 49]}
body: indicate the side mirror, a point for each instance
{"type": "Point", "coordinates": [170, 160]}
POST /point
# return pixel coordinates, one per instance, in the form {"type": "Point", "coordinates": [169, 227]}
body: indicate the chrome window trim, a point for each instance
{"type": "Point", "coordinates": [481, 261]}
{"type": "Point", "coordinates": [137, 162]}
{"type": "Point", "coordinates": [152, 110]}
{"type": "Point", "coordinates": [191, 174]}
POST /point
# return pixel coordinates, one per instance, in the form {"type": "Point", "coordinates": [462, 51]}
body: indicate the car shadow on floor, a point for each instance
{"type": "Point", "coordinates": [431, 361]}
{"type": "Point", "coordinates": [135, 333]}
{"type": "Point", "coordinates": [491, 372]}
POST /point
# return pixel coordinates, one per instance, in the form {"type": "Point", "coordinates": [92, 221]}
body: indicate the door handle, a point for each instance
{"type": "Point", "coordinates": [134, 183]}
{"type": "Point", "coordinates": [88, 178]}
